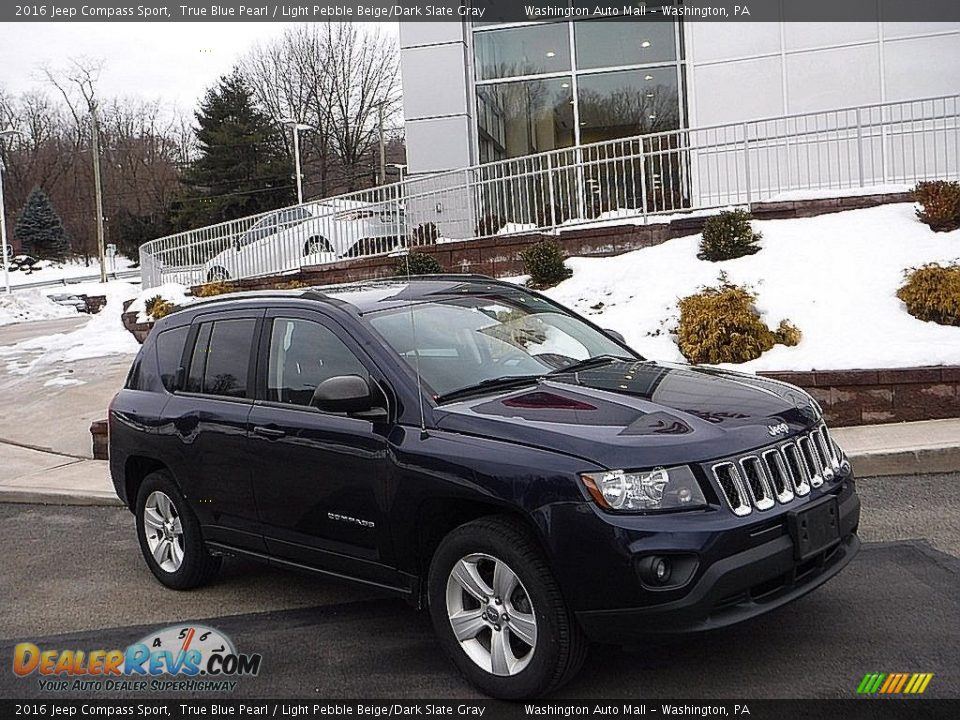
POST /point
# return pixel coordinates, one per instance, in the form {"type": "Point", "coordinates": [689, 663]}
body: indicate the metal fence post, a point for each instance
{"type": "Point", "coordinates": [553, 201]}
{"type": "Point", "coordinates": [860, 147]}
{"type": "Point", "coordinates": [746, 163]}
{"type": "Point", "coordinates": [643, 182]}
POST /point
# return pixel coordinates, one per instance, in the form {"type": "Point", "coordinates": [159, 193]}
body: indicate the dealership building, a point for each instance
{"type": "Point", "coordinates": [476, 92]}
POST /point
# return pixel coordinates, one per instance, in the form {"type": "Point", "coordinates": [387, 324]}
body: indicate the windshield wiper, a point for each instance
{"type": "Point", "coordinates": [498, 383]}
{"type": "Point", "coordinates": [591, 362]}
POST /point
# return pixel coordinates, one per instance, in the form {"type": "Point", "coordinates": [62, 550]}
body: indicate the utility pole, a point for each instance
{"type": "Point", "coordinates": [3, 215]}
{"type": "Point", "coordinates": [296, 127]}
{"type": "Point", "coordinates": [383, 149]}
{"type": "Point", "coordinates": [98, 190]}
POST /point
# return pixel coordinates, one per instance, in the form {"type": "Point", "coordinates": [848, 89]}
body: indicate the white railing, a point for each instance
{"type": "Point", "coordinates": [640, 179]}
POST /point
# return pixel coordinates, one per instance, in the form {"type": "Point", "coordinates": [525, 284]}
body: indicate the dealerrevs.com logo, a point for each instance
{"type": "Point", "coordinates": [177, 658]}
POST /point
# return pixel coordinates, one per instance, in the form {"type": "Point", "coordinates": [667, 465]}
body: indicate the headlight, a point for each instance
{"type": "Point", "coordinates": [659, 489]}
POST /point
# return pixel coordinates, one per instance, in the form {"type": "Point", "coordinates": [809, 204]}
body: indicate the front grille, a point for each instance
{"type": "Point", "coordinates": [779, 473]}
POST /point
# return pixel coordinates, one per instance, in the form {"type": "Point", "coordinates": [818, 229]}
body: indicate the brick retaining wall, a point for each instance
{"type": "Point", "coordinates": [867, 397]}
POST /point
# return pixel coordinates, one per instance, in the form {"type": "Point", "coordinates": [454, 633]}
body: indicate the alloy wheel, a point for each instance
{"type": "Point", "coordinates": [491, 614]}
{"type": "Point", "coordinates": [164, 531]}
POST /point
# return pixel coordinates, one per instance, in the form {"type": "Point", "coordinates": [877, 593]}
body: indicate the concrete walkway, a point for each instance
{"type": "Point", "coordinates": [36, 475]}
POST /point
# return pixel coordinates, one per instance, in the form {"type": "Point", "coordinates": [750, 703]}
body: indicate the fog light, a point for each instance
{"type": "Point", "coordinates": [662, 570]}
{"type": "Point", "coordinates": [655, 570]}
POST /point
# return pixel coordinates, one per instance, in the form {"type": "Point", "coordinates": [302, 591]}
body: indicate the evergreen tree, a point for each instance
{"type": "Point", "coordinates": [243, 167]}
{"type": "Point", "coordinates": [40, 229]}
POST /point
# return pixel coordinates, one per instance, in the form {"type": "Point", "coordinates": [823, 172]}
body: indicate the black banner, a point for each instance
{"type": "Point", "coordinates": [853, 709]}
{"type": "Point", "coordinates": [484, 11]}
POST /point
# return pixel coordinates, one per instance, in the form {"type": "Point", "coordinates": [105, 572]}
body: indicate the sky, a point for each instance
{"type": "Point", "coordinates": [172, 62]}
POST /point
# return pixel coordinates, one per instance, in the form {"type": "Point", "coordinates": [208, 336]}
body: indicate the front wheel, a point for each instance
{"type": "Point", "coordinates": [498, 612]}
{"type": "Point", "coordinates": [169, 535]}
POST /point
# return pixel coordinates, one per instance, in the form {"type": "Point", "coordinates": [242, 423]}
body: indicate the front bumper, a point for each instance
{"type": "Point", "coordinates": [734, 581]}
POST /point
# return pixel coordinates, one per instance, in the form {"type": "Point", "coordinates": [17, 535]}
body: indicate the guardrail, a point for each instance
{"type": "Point", "coordinates": [65, 282]}
{"type": "Point", "coordinates": [635, 179]}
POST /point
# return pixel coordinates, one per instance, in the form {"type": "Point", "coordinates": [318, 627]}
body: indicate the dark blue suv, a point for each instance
{"type": "Point", "coordinates": [485, 453]}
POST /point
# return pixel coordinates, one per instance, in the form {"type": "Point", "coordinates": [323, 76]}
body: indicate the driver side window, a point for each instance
{"type": "Point", "coordinates": [302, 355]}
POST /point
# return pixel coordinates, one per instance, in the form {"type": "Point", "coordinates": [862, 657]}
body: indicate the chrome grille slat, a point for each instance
{"type": "Point", "coordinates": [798, 469]}
{"type": "Point", "coordinates": [755, 480]}
{"type": "Point", "coordinates": [779, 474]}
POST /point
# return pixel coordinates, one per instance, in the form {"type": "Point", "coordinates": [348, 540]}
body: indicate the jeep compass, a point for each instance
{"type": "Point", "coordinates": [484, 453]}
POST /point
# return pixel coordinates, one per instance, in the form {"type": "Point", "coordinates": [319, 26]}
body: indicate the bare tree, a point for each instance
{"type": "Point", "coordinates": [335, 77]}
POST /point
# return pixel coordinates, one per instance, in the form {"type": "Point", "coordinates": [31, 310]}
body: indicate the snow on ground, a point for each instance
{"type": "Point", "coordinates": [30, 305]}
{"type": "Point", "coordinates": [101, 336]}
{"type": "Point", "coordinates": [67, 271]}
{"type": "Point", "coordinates": [835, 276]}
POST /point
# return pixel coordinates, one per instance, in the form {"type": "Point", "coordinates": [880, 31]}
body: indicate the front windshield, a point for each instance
{"type": "Point", "coordinates": [465, 340]}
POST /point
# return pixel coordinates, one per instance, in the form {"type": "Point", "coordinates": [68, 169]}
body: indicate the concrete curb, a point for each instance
{"type": "Point", "coordinates": [921, 461]}
{"type": "Point", "coordinates": [40, 496]}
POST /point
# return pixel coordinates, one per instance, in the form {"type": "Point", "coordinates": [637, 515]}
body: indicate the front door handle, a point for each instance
{"type": "Point", "coordinates": [269, 432]}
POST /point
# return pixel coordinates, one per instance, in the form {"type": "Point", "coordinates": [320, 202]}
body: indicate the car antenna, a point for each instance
{"type": "Point", "coordinates": [416, 356]}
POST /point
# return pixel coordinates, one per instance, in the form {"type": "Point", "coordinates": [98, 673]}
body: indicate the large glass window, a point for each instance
{"type": "Point", "coordinates": [527, 50]}
{"type": "Point", "coordinates": [614, 43]}
{"type": "Point", "coordinates": [520, 118]}
{"type": "Point", "coordinates": [628, 102]}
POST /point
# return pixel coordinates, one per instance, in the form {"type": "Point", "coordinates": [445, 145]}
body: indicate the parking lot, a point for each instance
{"type": "Point", "coordinates": [73, 578]}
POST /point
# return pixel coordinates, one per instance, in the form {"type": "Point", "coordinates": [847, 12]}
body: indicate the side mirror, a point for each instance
{"type": "Point", "coordinates": [347, 394]}
{"type": "Point", "coordinates": [615, 335]}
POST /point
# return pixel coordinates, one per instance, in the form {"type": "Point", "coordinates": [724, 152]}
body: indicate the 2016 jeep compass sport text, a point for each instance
{"type": "Point", "coordinates": [485, 453]}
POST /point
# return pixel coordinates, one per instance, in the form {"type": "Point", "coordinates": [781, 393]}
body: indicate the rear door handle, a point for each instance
{"type": "Point", "coordinates": [269, 432]}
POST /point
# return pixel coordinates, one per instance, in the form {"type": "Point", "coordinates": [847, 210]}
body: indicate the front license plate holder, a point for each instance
{"type": "Point", "coordinates": [815, 528]}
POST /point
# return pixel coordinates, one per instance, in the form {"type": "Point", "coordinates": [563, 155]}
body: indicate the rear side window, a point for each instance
{"type": "Point", "coordinates": [169, 353]}
{"type": "Point", "coordinates": [221, 358]}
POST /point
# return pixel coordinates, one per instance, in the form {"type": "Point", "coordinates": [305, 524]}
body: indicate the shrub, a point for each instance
{"type": "Point", "coordinates": [157, 307]}
{"type": "Point", "coordinates": [425, 234]}
{"type": "Point", "coordinates": [490, 225]}
{"type": "Point", "coordinates": [543, 262]}
{"type": "Point", "coordinates": [727, 236]}
{"type": "Point", "coordinates": [932, 292]}
{"type": "Point", "coordinates": [215, 288]}
{"type": "Point", "coordinates": [418, 264]}
{"type": "Point", "coordinates": [939, 204]}
{"type": "Point", "coordinates": [290, 285]}
{"type": "Point", "coordinates": [721, 325]}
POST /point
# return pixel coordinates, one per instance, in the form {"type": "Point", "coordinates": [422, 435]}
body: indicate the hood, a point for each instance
{"type": "Point", "coordinates": [631, 415]}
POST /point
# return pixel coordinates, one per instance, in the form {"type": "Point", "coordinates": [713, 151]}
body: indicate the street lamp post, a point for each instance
{"type": "Point", "coordinates": [3, 215]}
{"type": "Point", "coordinates": [297, 127]}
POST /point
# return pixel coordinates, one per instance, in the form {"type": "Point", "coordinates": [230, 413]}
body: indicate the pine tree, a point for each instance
{"type": "Point", "coordinates": [243, 167]}
{"type": "Point", "coordinates": [40, 229]}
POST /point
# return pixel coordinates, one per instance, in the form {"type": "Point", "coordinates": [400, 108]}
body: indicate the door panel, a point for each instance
{"type": "Point", "coordinates": [320, 479]}
{"type": "Point", "coordinates": [205, 427]}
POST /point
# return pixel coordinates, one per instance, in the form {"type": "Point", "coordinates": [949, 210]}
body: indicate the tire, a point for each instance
{"type": "Point", "coordinates": [178, 560]}
{"type": "Point", "coordinates": [312, 246]}
{"type": "Point", "coordinates": [217, 274]}
{"type": "Point", "coordinates": [482, 549]}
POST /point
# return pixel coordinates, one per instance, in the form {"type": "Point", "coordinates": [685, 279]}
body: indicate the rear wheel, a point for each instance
{"type": "Point", "coordinates": [217, 274]}
{"type": "Point", "coordinates": [498, 612]}
{"type": "Point", "coordinates": [169, 535]}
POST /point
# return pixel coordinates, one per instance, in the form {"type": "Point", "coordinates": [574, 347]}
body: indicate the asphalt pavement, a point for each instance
{"type": "Point", "coordinates": [72, 577]}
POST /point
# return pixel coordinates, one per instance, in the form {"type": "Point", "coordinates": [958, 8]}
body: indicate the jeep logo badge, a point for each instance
{"type": "Point", "coordinates": [778, 429]}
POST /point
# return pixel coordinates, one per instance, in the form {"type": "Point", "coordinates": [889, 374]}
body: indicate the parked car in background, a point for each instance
{"type": "Point", "coordinates": [484, 453]}
{"type": "Point", "coordinates": [22, 262]}
{"type": "Point", "coordinates": [311, 234]}
{"type": "Point", "coordinates": [70, 300]}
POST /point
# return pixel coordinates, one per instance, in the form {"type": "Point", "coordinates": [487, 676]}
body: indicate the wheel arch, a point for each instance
{"type": "Point", "coordinates": [135, 470]}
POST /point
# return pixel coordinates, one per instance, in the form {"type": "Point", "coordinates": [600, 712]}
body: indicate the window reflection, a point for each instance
{"type": "Point", "coordinates": [632, 102]}
{"type": "Point", "coordinates": [520, 118]}
{"type": "Point", "coordinates": [528, 50]}
{"type": "Point", "coordinates": [610, 43]}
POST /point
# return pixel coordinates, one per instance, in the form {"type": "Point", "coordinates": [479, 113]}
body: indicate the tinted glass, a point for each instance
{"type": "Point", "coordinates": [220, 364]}
{"type": "Point", "coordinates": [529, 50]}
{"type": "Point", "coordinates": [462, 341]}
{"type": "Point", "coordinates": [631, 102]}
{"type": "Point", "coordinates": [302, 355]}
{"type": "Point", "coordinates": [169, 353]}
{"type": "Point", "coordinates": [605, 43]}
{"type": "Point", "coordinates": [520, 118]}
